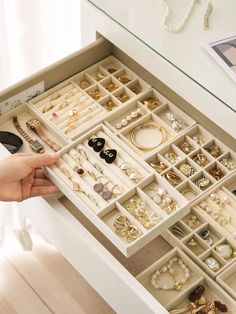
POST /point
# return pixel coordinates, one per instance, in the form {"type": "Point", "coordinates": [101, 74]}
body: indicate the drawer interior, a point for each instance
{"type": "Point", "coordinates": [153, 256]}
{"type": "Point", "coordinates": [152, 248]}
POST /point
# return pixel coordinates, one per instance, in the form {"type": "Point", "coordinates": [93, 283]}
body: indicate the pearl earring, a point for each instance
{"type": "Point", "coordinates": [125, 121]}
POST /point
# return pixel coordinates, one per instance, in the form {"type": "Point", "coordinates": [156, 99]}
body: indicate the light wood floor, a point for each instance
{"type": "Point", "coordinates": [42, 281]}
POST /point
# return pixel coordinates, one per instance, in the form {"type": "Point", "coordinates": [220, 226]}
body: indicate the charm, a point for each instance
{"type": "Point", "coordinates": [124, 79]}
{"type": "Point", "coordinates": [214, 150]}
{"type": "Point", "coordinates": [152, 103]}
{"type": "Point", "coordinates": [187, 170]}
{"type": "Point", "coordinates": [96, 94]}
{"type": "Point", "coordinates": [198, 140]}
{"type": "Point", "coordinates": [158, 165]}
{"type": "Point", "coordinates": [99, 76]}
{"type": "Point", "coordinates": [109, 155]}
{"type": "Point", "coordinates": [97, 143]}
{"type": "Point", "coordinates": [228, 163]}
{"type": "Point", "coordinates": [111, 87]}
{"type": "Point", "coordinates": [172, 157]}
{"type": "Point", "coordinates": [216, 173]}
{"type": "Point", "coordinates": [123, 97]}
{"type": "Point", "coordinates": [84, 84]}
{"type": "Point", "coordinates": [201, 159]}
{"type": "Point", "coordinates": [111, 69]}
{"type": "Point", "coordinates": [202, 183]}
{"type": "Point", "coordinates": [186, 147]}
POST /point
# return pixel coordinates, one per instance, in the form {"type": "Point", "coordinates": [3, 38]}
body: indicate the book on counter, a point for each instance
{"type": "Point", "coordinates": [224, 52]}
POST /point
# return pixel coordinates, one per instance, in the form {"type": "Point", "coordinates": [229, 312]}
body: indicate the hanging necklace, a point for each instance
{"type": "Point", "coordinates": [184, 21]}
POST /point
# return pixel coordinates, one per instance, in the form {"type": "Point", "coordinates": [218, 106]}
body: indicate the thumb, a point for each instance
{"type": "Point", "coordinates": [42, 160]}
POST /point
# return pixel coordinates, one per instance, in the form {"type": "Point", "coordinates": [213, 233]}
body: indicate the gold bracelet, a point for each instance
{"type": "Point", "coordinates": [147, 125]}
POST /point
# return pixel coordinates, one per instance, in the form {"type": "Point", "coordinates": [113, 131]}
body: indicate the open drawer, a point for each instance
{"type": "Point", "coordinates": [52, 218]}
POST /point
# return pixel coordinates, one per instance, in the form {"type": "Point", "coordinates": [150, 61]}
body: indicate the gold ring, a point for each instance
{"type": "Point", "coordinates": [147, 125]}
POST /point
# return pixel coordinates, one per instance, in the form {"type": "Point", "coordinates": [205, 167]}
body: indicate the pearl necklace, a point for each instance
{"type": "Point", "coordinates": [168, 268]}
{"type": "Point", "coordinates": [184, 21]}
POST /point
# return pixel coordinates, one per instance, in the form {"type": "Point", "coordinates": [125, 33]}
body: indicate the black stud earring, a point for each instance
{"type": "Point", "coordinates": [97, 143]}
{"type": "Point", "coordinates": [109, 155]}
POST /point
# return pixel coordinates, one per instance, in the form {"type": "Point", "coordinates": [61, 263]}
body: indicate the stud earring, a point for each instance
{"type": "Point", "coordinates": [176, 124]}
{"type": "Point", "coordinates": [162, 198]}
{"type": "Point", "coordinates": [130, 172]}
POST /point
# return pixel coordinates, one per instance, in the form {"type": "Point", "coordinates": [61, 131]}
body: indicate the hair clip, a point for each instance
{"type": "Point", "coordinates": [97, 143]}
{"type": "Point", "coordinates": [109, 155]}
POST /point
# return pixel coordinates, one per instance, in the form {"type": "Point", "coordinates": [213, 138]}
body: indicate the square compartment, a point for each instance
{"type": "Point", "coordinates": [202, 180]}
{"type": "Point", "coordinates": [123, 95]}
{"type": "Point", "coordinates": [96, 92]}
{"type": "Point", "coordinates": [216, 171]}
{"type": "Point", "coordinates": [174, 117]}
{"type": "Point", "coordinates": [137, 86]}
{"type": "Point", "coordinates": [111, 64]}
{"type": "Point", "coordinates": [215, 148]}
{"type": "Point", "coordinates": [201, 158]}
{"type": "Point", "coordinates": [228, 160]}
{"type": "Point", "coordinates": [97, 72]}
{"type": "Point", "coordinates": [199, 135]}
{"type": "Point", "coordinates": [194, 245]}
{"type": "Point", "coordinates": [158, 163]}
{"type": "Point", "coordinates": [153, 100]}
{"type": "Point", "coordinates": [179, 230]}
{"type": "Point", "coordinates": [173, 177]}
{"type": "Point", "coordinates": [193, 221]}
{"type": "Point", "coordinates": [187, 167]}
{"type": "Point", "coordinates": [157, 189]}
{"type": "Point", "coordinates": [214, 235]}
{"type": "Point", "coordinates": [110, 103]}
{"type": "Point", "coordinates": [83, 80]}
{"type": "Point", "coordinates": [189, 190]}
{"type": "Point", "coordinates": [125, 76]}
{"type": "Point", "coordinates": [110, 84]}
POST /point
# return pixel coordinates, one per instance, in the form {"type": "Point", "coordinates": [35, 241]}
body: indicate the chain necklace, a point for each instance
{"type": "Point", "coordinates": [184, 21]}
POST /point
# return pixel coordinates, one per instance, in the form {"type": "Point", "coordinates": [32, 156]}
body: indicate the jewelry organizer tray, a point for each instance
{"type": "Point", "coordinates": [145, 263]}
{"type": "Point", "coordinates": [209, 229]}
{"type": "Point", "coordinates": [25, 113]}
{"type": "Point", "coordinates": [127, 198]}
{"type": "Point", "coordinates": [177, 298]}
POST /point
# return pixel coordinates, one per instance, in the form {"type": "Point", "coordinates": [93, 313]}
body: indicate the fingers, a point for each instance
{"type": "Point", "coordinates": [42, 182]}
{"type": "Point", "coordinates": [42, 160]}
{"type": "Point", "coordinates": [26, 185]}
{"type": "Point", "coordinates": [43, 190]}
{"type": "Point", "coordinates": [39, 174]}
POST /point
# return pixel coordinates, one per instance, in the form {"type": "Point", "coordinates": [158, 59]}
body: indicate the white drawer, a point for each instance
{"type": "Point", "coordinates": [62, 224]}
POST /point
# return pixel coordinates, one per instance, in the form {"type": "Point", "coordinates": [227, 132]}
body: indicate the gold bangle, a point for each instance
{"type": "Point", "coordinates": [147, 125]}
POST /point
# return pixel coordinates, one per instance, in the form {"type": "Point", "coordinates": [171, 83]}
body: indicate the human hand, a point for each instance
{"type": "Point", "coordinates": [21, 176]}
